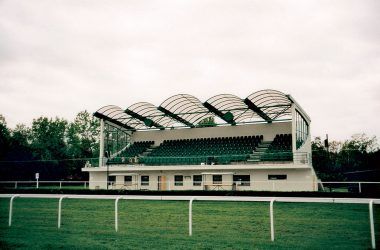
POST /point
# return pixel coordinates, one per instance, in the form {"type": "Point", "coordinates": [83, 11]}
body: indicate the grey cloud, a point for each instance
{"type": "Point", "coordinates": [60, 57]}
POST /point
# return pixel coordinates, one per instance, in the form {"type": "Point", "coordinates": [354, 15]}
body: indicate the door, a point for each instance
{"type": "Point", "coordinates": [161, 183]}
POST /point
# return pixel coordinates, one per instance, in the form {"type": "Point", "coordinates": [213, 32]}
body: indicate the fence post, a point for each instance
{"type": "Point", "coordinates": [15, 184]}
{"type": "Point", "coordinates": [60, 185]}
{"type": "Point", "coordinates": [191, 216]}
{"type": "Point", "coordinates": [116, 213]}
{"type": "Point", "coordinates": [11, 209]}
{"type": "Point", "coordinates": [60, 210]}
{"type": "Point", "coordinates": [85, 185]}
{"type": "Point", "coordinates": [372, 225]}
{"type": "Point", "coordinates": [360, 187]}
{"type": "Point", "coordinates": [271, 219]}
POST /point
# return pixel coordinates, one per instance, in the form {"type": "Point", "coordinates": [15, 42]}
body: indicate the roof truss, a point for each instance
{"type": "Point", "coordinates": [148, 122]}
{"type": "Point", "coordinates": [227, 117]}
{"type": "Point", "coordinates": [257, 110]}
{"type": "Point", "coordinates": [175, 116]}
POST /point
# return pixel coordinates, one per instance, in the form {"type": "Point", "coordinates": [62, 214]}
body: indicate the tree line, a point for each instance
{"type": "Point", "coordinates": [58, 149]}
{"type": "Point", "coordinates": [355, 159]}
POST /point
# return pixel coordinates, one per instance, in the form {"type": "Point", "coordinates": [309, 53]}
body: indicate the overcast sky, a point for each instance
{"type": "Point", "coordinates": [60, 57]}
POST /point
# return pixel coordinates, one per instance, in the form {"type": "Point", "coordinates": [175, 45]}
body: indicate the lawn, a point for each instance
{"type": "Point", "coordinates": [89, 224]}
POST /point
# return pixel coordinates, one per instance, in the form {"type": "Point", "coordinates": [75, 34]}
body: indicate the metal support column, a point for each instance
{"type": "Point", "coordinates": [101, 143]}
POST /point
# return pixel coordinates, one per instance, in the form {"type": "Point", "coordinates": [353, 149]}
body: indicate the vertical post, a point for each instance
{"type": "Point", "coordinates": [191, 216]}
{"type": "Point", "coordinates": [372, 225]}
{"type": "Point", "coordinates": [116, 213]}
{"type": "Point", "coordinates": [360, 187]}
{"type": "Point", "coordinates": [11, 209]}
{"type": "Point", "coordinates": [85, 185]}
{"type": "Point", "coordinates": [101, 143]}
{"type": "Point", "coordinates": [271, 219]}
{"type": "Point", "coordinates": [60, 185]}
{"type": "Point", "coordinates": [60, 210]}
{"type": "Point", "coordinates": [15, 184]}
{"type": "Point", "coordinates": [37, 177]}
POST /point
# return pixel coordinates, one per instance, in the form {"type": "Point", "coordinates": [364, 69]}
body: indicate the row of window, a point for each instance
{"type": "Point", "coordinates": [241, 180]}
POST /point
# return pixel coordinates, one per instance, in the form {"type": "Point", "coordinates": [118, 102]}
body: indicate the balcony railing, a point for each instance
{"type": "Point", "coordinates": [266, 157]}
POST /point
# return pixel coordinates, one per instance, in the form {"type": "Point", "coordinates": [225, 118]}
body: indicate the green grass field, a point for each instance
{"type": "Point", "coordinates": [89, 224]}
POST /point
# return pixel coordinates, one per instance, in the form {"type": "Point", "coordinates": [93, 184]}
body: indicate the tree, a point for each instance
{"type": "Point", "coordinates": [4, 138]}
{"type": "Point", "coordinates": [356, 154]}
{"type": "Point", "coordinates": [207, 122]}
{"type": "Point", "coordinates": [82, 136]}
{"type": "Point", "coordinates": [82, 141]}
{"type": "Point", "coordinates": [19, 148]}
{"type": "Point", "coordinates": [48, 138]}
{"type": "Point", "coordinates": [361, 143]}
{"type": "Point", "coordinates": [324, 162]}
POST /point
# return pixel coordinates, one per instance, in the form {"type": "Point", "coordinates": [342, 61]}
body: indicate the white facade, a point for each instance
{"type": "Point", "coordinates": [297, 177]}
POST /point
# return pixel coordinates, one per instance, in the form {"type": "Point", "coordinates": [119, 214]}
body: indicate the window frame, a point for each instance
{"type": "Point", "coordinates": [216, 182]}
{"type": "Point", "coordinates": [126, 182]}
{"type": "Point", "coordinates": [144, 182]}
{"type": "Point", "coordinates": [178, 182]}
{"type": "Point", "coordinates": [111, 177]}
{"type": "Point", "coordinates": [240, 182]}
{"type": "Point", "coordinates": [197, 182]}
{"type": "Point", "coordinates": [277, 177]}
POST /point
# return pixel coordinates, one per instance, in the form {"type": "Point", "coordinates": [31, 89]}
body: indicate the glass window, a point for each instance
{"type": "Point", "coordinates": [242, 180]}
{"type": "Point", "coordinates": [217, 179]}
{"type": "Point", "coordinates": [277, 177]}
{"type": "Point", "coordinates": [302, 130]}
{"type": "Point", "coordinates": [178, 180]}
{"type": "Point", "coordinates": [111, 178]}
{"type": "Point", "coordinates": [145, 180]}
{"type": "Point", "coordinates": [128, 179]}
{"type": "Point", "coordinates": [197, 180]}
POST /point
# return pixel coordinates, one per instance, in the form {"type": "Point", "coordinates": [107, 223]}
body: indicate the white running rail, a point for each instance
{"type": "Point", "coordinates": [191, 199]}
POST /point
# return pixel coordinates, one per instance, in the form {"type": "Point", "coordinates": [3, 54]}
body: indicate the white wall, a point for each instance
{"type": "Point", "coordinates": [97, 180]}
{"type": "Point", "coordinates": [268, 130]}
{"type": "Point", "coordinates": [297, 180]}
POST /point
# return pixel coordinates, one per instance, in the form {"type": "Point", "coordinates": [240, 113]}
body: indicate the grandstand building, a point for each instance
{"type": "Point", "coordinates": [259, 143]}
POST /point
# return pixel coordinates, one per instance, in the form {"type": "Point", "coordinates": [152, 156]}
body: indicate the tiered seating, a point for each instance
{"type": "Point", "coordinates": [280, 149]}
{"type": "Point", "coordinates": [282, 142]}
{"type": "Point", "coordinates": [135, 149]}
{"type": "Point", "coordinates": [206, 150]}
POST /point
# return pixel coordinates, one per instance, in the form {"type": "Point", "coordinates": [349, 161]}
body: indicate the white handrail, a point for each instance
{"type": "Point", "coordinates": [11, 209]}
{"type": "Point", "coordinates": [202, 198]}
{"type": "Point", "coordinates": [191, 215]}
{"type": "Point", "coordinates": [60, 210]}
{"type": "Point", "coordinates": [271, 220]}
{"type": "Point", "coordinates": [372, 224]}
{"type": "Point", "coordinates": [116, 213]}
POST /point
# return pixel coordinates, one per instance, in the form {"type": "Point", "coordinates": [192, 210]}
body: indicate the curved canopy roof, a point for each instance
{"type": "Point", "coordinates": [185, 110]}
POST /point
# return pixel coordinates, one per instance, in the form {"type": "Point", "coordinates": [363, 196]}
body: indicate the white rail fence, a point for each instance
{"type": "Point", "coordinates": [272, 185]}
{"type": "Point", "coordinates": [191, 199]}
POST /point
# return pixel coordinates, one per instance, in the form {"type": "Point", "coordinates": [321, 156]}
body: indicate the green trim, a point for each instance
{"type": "Point", "coordinates": [175, 116]}
{"type": "Point", "coordinates": [257, 110]}
{"type": "Point", "coordinates": [227, 117]}
{"type": "Point", "coordinates": [148, 122]}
